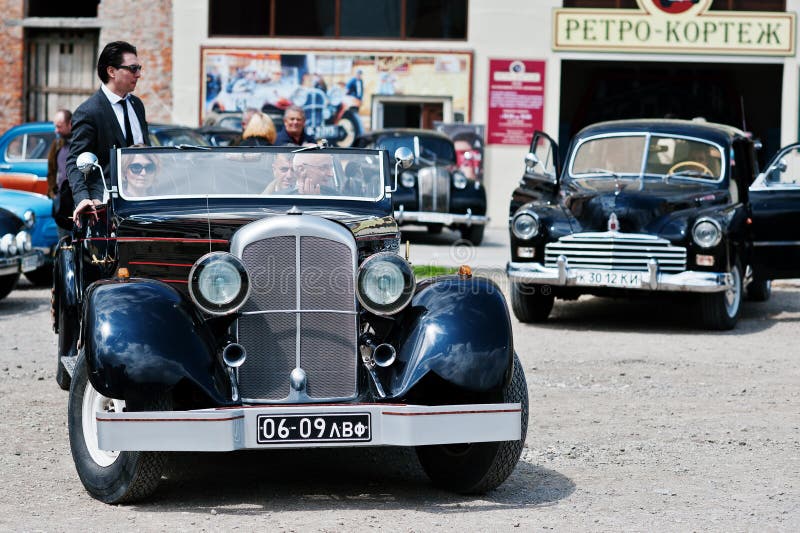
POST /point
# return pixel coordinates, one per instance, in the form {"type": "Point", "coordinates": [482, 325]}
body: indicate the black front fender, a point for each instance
{"type": "Point", "coordinates": [458, 329]}
{"type": "Point", "coordinates": [143, 337]}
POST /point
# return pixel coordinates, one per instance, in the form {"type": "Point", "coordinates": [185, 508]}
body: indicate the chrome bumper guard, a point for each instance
{"type": "Point", "coordinates": [219, 430]}
{"type": "Point", "coordinates": [651, 280]}
{"type": "Point", "coordinates": [428, 217]}
{"type": "Point", "coordinates": [21, 263]}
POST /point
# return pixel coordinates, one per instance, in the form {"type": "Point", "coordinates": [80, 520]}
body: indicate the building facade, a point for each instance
{"type": "Point", "coordinates": [508, 65]}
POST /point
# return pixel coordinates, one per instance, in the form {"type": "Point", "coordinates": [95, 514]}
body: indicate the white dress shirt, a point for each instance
{"type": "Point", "coordinates": [116, 105]}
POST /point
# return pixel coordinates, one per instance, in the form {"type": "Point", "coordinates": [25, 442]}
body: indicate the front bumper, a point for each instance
{"type": "Point", "coordinates": [651, 280]}
{"type": "Point", "coordinates": [448, 219]}
{"type": "Point", "coordinates": [218, 430]}
{"type": "Point", "coordinates": [21, 263]}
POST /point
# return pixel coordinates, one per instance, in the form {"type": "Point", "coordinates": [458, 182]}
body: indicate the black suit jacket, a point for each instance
{"type": "Point", "coordinates": [95, 129]}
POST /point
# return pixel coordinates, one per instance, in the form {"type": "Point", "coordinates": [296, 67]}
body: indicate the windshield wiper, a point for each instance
{"type": "Point", "coordinates": [604, 173]}
{"type": "Point", "coordinates": [191, 147]}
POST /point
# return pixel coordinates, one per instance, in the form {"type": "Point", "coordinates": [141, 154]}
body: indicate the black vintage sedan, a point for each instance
{"type": "Point", "coordinates": [17, 255]}
{"type": "Point", "coordinates": [654, 206]}
{"type": "Point", "coordinates": [433, 192]}
{"type": "Point", "coordinates": [254, 298]}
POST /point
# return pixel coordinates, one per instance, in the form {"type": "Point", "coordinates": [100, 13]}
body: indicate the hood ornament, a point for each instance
{"type": "Point", "coordinates": [613, 222]}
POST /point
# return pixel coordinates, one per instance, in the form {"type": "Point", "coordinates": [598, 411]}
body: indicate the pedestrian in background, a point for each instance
{"type": "Point", "coordinates": [111, 118]}
{"type": "Point", "coordinates": [57, 183]}
{"type": "Point", "coordinates": [294, 128]}
{"type": "Point", "coordinates": [260, 131]}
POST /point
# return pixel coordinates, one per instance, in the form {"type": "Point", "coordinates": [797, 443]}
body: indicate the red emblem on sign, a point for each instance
{"type": "Point", "coordinates": [674, 6]}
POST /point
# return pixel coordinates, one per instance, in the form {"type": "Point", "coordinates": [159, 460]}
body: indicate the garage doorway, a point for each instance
{"type": "Point", "coordinates": [594, 91]}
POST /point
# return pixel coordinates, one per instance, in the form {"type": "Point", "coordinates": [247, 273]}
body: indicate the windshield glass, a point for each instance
{"type": "Point", "coordinates": [636, 155]}
{"type": "Point", "coordinates": [430, 149]}
{"type": "Point", "coordinates": [146, 173]}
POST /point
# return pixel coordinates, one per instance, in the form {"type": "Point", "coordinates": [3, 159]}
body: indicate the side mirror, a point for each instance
{"type": "Point", "coordinates": [86, 162]}
{"type": "Point", "coordinates": [531, 161]}
{"type": "Point", "coordinates": [404, 158]}
{"type": "Point", "coordinates": [781, 166]}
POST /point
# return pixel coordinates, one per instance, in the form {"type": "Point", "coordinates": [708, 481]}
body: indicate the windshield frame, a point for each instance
{"type": "Point", "coordinates": [117, 189]}
{"type": "Point", "coordinates": [648, 136]}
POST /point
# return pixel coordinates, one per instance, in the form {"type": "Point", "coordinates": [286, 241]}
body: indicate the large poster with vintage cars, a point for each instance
{"type": "Point", "coordinates": [334, 87]}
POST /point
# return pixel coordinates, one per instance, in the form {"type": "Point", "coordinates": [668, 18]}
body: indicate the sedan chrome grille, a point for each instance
{"type": "Point", "coordinates": [612, 250]}
{"type": "Point", "coordinates": [434, 189]}
{"type": "Point", "coordinates": [301, 312]}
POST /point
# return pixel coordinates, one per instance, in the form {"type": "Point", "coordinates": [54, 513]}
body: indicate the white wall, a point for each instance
{"type": "Point", "coordinates": [498, 29]}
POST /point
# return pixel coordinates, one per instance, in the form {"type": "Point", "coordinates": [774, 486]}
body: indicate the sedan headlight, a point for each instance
{"type": "Point", "coordinates": [218, 283]}
{"type": "Point", "coordinates": [385, 283]}
{"type": "Point", "coordinates": [29, 217]}
{"type": "Point", "coordinates": [8, 246]}
{"type": "Point", "coordinates": [23, 242]}
{"type": "Point", "coordinates": [459, 180]}
{"type": "Point", "coordinates": [707, 233]}
{"type": "Point", "coordinates": [407, 179]}
{"type": "Point", "coordinates": [525, 225]}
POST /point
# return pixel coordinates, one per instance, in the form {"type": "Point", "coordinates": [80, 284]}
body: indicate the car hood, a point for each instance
{"type": "Point", "coordinates": [223, 223]}
{"type": "Point", "coordinates": [20, 201]}
{"type": "Point", "coordinates": [639, 205]}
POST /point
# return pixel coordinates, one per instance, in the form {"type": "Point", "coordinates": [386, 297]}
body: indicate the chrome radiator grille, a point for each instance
{"type": "Point", "coordinates": [301, 312]}
{"type": "Point", "coordinates": [434, 189]}
{"type": "Point", "coordinates": [616, 251]}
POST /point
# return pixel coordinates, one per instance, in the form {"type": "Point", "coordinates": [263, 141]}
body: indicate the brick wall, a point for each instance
{"type": "Point", "coordinates": [12, 64]}
{"type": "Point", "coordinates": [147, 24]}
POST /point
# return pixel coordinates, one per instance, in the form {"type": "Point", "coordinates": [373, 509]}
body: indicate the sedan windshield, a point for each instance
{"type": "Point", "coordinates": [430, 150]}
{"type": "Point", "coordinates": [146, 173]}
{"type": "Point", "coordinates": [636, 155]}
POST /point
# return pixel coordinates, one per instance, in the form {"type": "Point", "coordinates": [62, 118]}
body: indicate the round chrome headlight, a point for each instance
{"type": "Point", "coordinates": [23, 242]}
{"type": "Point", "coordinates": [7, 244]}
{"type": "Point", "coordinates": [525, 225]}
{"type": "Point", "coordinates": [218, 283]}
{"type": "Point", "coordinates": [407, 179]}
{"type": "Point", "coordinates": [29, 217]}
{"type": "Point", "coordinates": [459, 180]}
{"type": "Point", "coordinates": [385, 283]}
{"type": "Point", "coordinates": [707, 233]}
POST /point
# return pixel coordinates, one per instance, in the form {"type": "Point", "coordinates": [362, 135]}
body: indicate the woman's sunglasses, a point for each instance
{"type": "Point", "coordinates": [137, 168]}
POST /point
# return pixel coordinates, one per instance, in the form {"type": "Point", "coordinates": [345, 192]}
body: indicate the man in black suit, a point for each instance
{"type": "Point", "coordinates": [110, 118]}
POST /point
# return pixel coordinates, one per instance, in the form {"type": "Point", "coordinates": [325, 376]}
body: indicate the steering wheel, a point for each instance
{"type": "Point", "coordinates": [695, 164]}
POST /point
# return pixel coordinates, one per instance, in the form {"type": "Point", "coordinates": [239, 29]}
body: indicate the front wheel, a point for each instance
{"type": "Point", "coordinates": [759, 290]}
{"type": "Point", "coordinates": [110, 476]}
{"type": "Point", "coordinates": [473, 234]}
{"type": "Point", "coordinates": [720, 310]}
{"type": "Point", "coordinates": [42, 276]}
{"type": "Point", "coordinates": [531, 303]}
{"type": "Point", "coordinates": [477, 468]}
{"type": "Point", "coordinates": [7, 284]}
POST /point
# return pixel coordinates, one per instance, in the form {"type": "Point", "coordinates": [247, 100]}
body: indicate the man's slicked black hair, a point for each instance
{"type": "Point", "coordinates": [111, 56]}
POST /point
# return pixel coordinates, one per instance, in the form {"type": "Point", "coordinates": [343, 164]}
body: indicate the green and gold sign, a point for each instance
{"type": "Point", "coordinates": [675, 27]}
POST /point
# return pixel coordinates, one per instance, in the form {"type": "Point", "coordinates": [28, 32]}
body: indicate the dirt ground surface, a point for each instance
{"type": "Point", "coordinates": [639, 422]}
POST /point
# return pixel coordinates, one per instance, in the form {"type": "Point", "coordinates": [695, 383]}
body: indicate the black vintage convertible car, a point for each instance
{"type": "Point", "coordinates": [654, 205]}
{"type": "Point", "coordinates": [17, 255]}
{"type": "Point", "coordinates": [433, 192]}
{"type": "Point", "coordinates": [232, 298]}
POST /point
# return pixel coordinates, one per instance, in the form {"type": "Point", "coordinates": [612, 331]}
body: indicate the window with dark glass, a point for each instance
{"type": "Point", "coordinates": [369, 18]}
{"type": "Point", "coordinates": [436, 19]}
{"type": "Point", "coordinates": [377, 19]}
{"type": "Point", "coordinates": [238, 17]}
{"type": "Point", "coordinates": [74, 8]}
{"type": "Point", "coordinates": [716, 5]}
{"type": "Point", "coordinates": [305, 18]}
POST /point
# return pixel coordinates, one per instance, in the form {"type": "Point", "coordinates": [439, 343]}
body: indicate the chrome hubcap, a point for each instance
{"type": "Point", "coordinates": [734, 293]}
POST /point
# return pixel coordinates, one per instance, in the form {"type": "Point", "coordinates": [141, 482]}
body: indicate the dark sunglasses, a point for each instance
{"type": "Point", "coordinates": [133, 69]}
{"type": "Point", "coordinates": [137, 168]}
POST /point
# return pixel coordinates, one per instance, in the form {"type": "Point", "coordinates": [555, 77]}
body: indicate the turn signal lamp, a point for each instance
{"type": "Point", "coordinates": [464, 271]}
{"type": "Point", "coordinates": [704, 260]}
{"type": "Point", "coordinates": [122, 273]}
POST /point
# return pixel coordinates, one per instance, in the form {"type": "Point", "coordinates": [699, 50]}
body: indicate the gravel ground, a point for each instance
{"type": "Point", "coordinates": [638, 422]}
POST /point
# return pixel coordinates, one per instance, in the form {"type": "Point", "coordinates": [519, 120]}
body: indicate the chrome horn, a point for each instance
{"type": "Point", "coordinates": [234, 356]}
